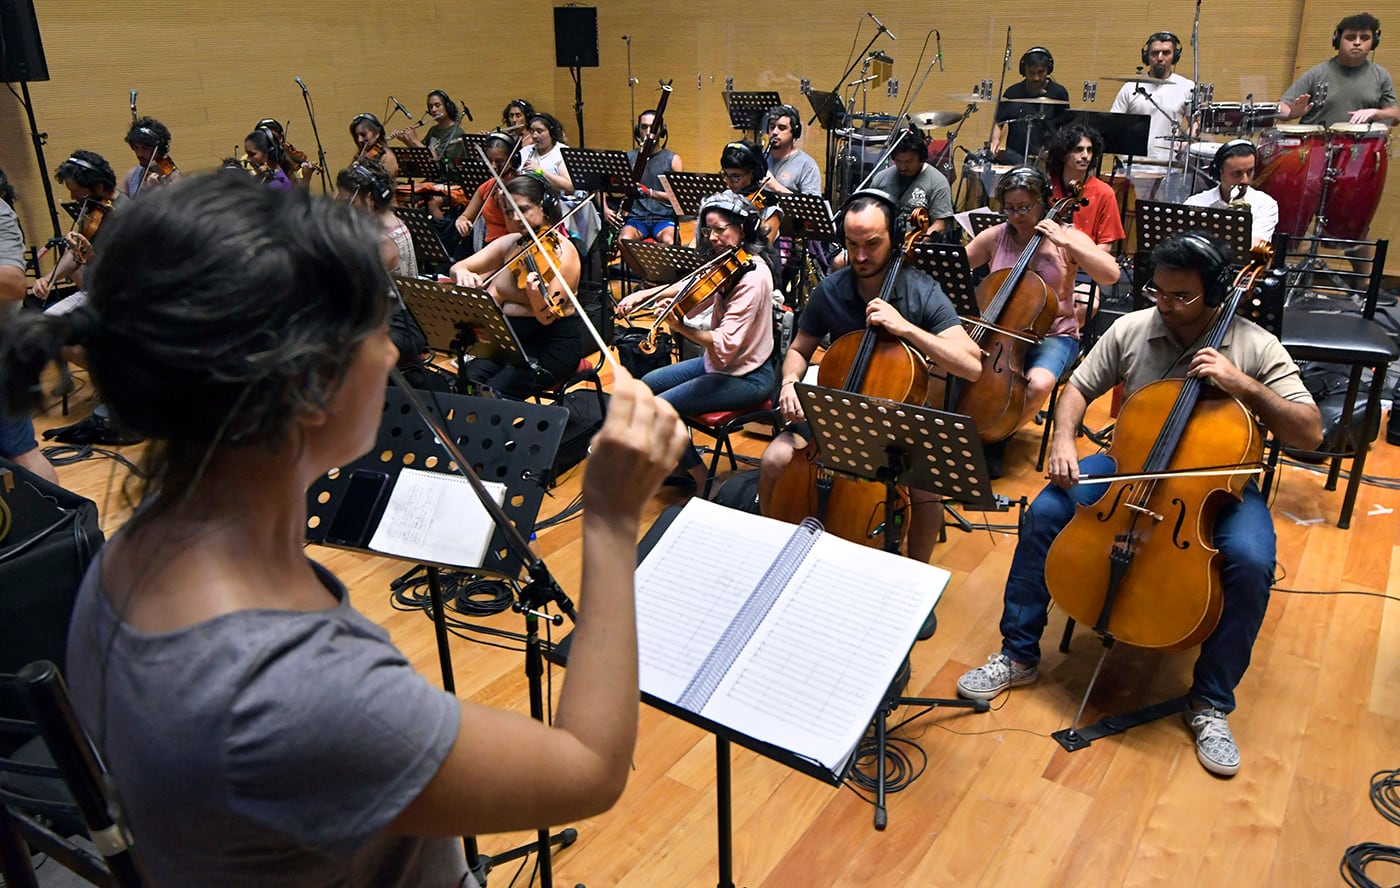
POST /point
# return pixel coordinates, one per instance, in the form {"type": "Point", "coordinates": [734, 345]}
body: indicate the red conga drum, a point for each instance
{"type": "Point", "coordinates": [1292, 161]}
{"type": "Point", "coordinates": [1359, 160]}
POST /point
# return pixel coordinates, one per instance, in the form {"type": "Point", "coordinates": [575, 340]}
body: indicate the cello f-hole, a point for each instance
{"type": "Point", "coordinates": [1177, 541]}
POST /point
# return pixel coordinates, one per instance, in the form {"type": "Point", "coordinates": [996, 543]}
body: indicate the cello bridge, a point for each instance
{"type": "Point", "coordinates": [1144, 511]}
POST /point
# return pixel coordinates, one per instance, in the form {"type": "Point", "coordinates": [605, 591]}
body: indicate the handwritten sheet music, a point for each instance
{"type": "Point", "coordinates": [436, 517]}
{"type": "Point", "coordinates": [813, 672]}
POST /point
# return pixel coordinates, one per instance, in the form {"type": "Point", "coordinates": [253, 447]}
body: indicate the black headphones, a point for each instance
{"type": "Point", "coordinates": [1049, 59]}
{"type": "Point", "coordinates": [895, 225]}
{"type": "Point", "coordinates": [372, 183]}
{"type": "Point", "coordinates": [791, 114]}
{"type": "Point", "coordinates": [1337, 37]}
{"type": "Point", "coordinates": [1217, 275]}
{"type": "Point", "coordinates": [448, 105]}
{"type": "Point", "coordinates": [275, 155]}
{"type": "Point", "coordinates": [1159, 37]}
{"type": "Point", "coordinates": [1021, 177]}
{"type": "Point", "coordinates": [549, 199]}
{"type": "Point", "coordinates": [1232, 148]}
{"type": "Point", "coordinates": [637, 127]}
{"type": "Point", "coordinates": [754, 155]}
{"type": "Point", "coordinates": [506, 141]}
{"type": "Point", "coordinates": [735, 205]}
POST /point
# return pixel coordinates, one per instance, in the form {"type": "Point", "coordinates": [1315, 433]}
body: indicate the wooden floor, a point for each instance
{"type": "Point", "coordinates": [999, 802]}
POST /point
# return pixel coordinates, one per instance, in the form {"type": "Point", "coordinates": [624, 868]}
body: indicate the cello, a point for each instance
{"type": "Point", "coordinates": [870, 362]}
{"type": "Point", "coordinates": [1017, 309]}
{"type": "Point", "coordinates": [1109, 565]}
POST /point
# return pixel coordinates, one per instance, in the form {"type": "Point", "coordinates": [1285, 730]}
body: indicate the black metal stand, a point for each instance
{"type": "Point", "coordinates": [746, 109]}
{"type": "Point", "coordinates": [515, 443]}
{"type": "Point", "coordinates": [39, 139]}
{"type": "Point", "coordinates": [879, 440]}
{"type": "Point", "coordinates": [316, 134]}
{"type": "Point", "coordinates": [577, 73]}
{"type": "Point", "coordinates": [689, 189]}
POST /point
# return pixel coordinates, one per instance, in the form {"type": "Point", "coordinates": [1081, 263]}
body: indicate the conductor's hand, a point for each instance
{"type": "Point", "coordinates": [879, 313]}
{"type": "Point", "coordinates": [640, 442]}
{"type": "Point", "coordinates": [1063, 465]}
{"type": "Point", "coordinates": [788, 403]}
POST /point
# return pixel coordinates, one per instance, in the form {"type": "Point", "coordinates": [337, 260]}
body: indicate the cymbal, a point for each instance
{"type": "Point", "coordinates": [973, 98]}
{"type": "Point", "coordinates": [1039, 100]}
{"type": "Point", "coordinates": [936, 119]}
{"type": "Point", "coordinates": [1132, 78]}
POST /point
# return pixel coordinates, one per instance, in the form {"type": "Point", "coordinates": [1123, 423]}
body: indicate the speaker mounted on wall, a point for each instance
{"type": "Point", "coordinates": [21, 49]}
{"type": "Point", "coordinates": [576, 36]}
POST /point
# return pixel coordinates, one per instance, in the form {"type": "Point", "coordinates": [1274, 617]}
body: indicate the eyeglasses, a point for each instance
{"type": "Point", "coordinates": [707, 230]}
{"type": "Point", "coordinates": [1020, 211]}
{"type": "Point", "coordinates": [739, 176]}
{"type": "Point", "coordinates": [1155, 295]}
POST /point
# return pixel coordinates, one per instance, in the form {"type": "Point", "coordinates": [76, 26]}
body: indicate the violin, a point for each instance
{"type": "Point", "coordinates": [299, 158]}
{"type": "Point", "coordinates": [547, 306]}
{"type": "Point", "coordinates": [405, 194]}
{"type": "Point", "coordinates": [870, 362]}
{"type": "Point", "coordinates": [1017, 310]}
{"type": "Point", "coordinates": [704, 285]}
{"type": "Point", "coordinates": [90, 219]}
{"type": "Point", "coordinates": [1138, 563]}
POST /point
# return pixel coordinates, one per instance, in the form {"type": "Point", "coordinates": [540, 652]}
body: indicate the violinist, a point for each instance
{"type": "Point", "coordinates": [503, 153]}
{"type": "Point", "coordinates": [265, 158]}
{"type": "Point", "coordinates": [371, 142]}
{"type": "Point", "coordinates": [91, 182]}
{"type": "Point", "coordinates": [652, 215]}
{"type": "Point", "coordinates": [542, 157]}
{"type": "Point", "coordinates": [515, 119]}
{"type": "Point", "coordinates": [294, 163]}
{"type": "Point", "coordinates": [1191, 278]}
{"type": "Point", "coordinates": [848, 300]}
{"type": "Point", "coordinates": [366, 186]}
{"type": "Point", "coordinates": [553, 345]}
{"type": "Point", "coordinates": [745, 169]}
{"type": "Point", "coordinates": [149, 140]}
{"type": "Point", "coordinates": [1023, 193]}
{"type": "Point", "coordinates": [445, 138]}
{"type": "Point", "coordinates": [736, 369]}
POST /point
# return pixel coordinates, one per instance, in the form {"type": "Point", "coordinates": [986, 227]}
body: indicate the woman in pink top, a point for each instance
{"type": "Point", "coordinates": [736, 370]}
{"type": "Point", "coordinates": [1024, 193]}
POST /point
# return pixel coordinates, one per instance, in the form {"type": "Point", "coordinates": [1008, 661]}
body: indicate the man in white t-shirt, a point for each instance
{"type": "Point", "coordinates": [1235, 165]}
{"type": "Point", "coordinates": [1163, 95]}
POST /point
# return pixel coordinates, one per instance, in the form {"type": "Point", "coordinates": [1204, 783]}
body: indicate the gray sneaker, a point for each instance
{"type": "Point", "coordinates": [1215, 745]}
{"type": "Point", "coordinates": [999, 674]}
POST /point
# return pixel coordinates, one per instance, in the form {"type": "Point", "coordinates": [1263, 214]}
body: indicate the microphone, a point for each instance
{"type": "Point", "coordinates": [300, 84]}
{"type": "Point", "coordinates": [881, 25]}
{"type": "Point", "coordinates": [939, 37]}
{"type": "Point", "coordinates": [1007, 59]}
{"type": "Point", "coordinates": [627, 37]}
{"type": "Point", "coordinates": [467, 111]}
{"type": "Point", "coordinates": [133, 99]}
{"type": "Point", "coordinates": [399, 105]}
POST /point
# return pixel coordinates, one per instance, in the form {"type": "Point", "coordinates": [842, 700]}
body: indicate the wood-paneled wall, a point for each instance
{"type": "Point", "coordinates": [210, 71]}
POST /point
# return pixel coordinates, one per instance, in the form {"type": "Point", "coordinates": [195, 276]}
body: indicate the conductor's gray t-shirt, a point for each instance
{"type": "Point", "coordinates": [264, 747]}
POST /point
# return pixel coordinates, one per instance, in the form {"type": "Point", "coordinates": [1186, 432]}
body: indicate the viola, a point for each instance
{"type": "Point", "coordinates": [704, 285]}
{"type": "Point", "coordinates": [870, 362]}
{"type": "Point", "coordinates": [91, 217]}
{"type": "Point", "coordinates": [1017, 309]}
{"type": "Point", "coordinates": [406, 194]}
{"type": "Point", "coordinates": [1138, 563]}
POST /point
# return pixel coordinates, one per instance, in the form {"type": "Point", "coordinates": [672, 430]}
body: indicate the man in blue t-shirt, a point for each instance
{"type": "Point", "coordinates": [849, 300]}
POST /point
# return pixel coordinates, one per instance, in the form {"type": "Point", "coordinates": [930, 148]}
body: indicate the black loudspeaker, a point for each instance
{"type": "Point", "coordinates": [21, 49]}
{"type": "Point", "coordinates": [575, 36]}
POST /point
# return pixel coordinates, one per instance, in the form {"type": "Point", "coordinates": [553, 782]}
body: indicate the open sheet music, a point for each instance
{"type": "Point", "coordinates": [785, 634]}
{"type": "Point", "coordinates": [437, 518]}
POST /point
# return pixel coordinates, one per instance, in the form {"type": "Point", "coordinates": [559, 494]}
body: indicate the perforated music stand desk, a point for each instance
{"type": "Point", "coordinates": [947, 264]}
{"type": "Point", "coordinates": [592, 170]}
{"type": "Point", "coordinates": [660, 263]}
{"type": "Point", "coordinates": [460, 320]}
{"type": "Point", "coordinates": [1158, 221]}
{"type": "Point", "coordinates": [416, 163]}
{"type": "Point", "coordinates": [809, 215]}
{"type": "Point", "coordinates": [688, 190]}
{"type": "Point", "coordinates": [746, 109]}
{"type": "Point", "coordinates": [427, 246]}
{"type": "Point", "coordinates": [980, 222]}
{"type": "Point", "coordinates": [469, 172]}
{"type": "Point", "coordinates": [830, 111]}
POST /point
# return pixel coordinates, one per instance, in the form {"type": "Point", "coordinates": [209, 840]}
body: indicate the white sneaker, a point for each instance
{"type": "Point", "coordinates": [1215, 745]}
{"type": "Point", "coordinates": [999, 674]}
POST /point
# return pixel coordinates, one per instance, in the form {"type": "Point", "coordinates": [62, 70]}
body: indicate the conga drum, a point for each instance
{"type": "Point", "coordinates": [1358, 159]}
{"type": "Point", "coordinates": [1292, 162]}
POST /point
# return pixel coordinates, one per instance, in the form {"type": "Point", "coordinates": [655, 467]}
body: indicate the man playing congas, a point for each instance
{"type": "Point", "coordinates": [1356, 89]}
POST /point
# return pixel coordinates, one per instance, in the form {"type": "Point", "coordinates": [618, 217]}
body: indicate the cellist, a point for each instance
{"type": "Point", "coordinates": [1191, 278]}
{"type": "Point", "coordinates": [1024, 195]}
{"type": "Point", "coordinates": [847, 301]}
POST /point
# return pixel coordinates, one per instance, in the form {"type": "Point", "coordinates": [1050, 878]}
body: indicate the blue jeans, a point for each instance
{"type": "Point", "coordinates": [1244, 534]}
{"type": "Point", "coordinates": [689, 389]}
{"type": "Point", "coordinates": [1053, 354]}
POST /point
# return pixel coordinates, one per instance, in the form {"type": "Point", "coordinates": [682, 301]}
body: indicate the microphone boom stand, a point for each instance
{"type": "Point", "coordinates": [316, 134]}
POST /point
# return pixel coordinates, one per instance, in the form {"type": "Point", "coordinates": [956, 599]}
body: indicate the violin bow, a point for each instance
{"type": "Point", "coordinates": [558, 273]}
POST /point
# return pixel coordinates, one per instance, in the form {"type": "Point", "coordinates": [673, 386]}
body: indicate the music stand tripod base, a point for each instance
{"type": "Point", "coordinates": [896, 443]}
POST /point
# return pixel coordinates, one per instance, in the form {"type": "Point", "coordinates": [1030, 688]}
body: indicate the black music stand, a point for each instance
{"type": "Point", "coordinates": [895, 443]}
{"type": "Point", "coordinates": [688, 190]}
{"type": "Point", "coordinates": [460, 320]}
{"type": "Point", "coordinates": [1125, 134]}
{"type": "Point", "coordinates": [416, 163]}
{"type": "Point", "coordinates": [427, 246]}
{"type": "Point", "coordinates": [1157, 221]}
{"type": "Point", "coordinates": [660, 263]}
{"type": "Point", "coordinates": [980, 222]}
{"type": "Point", "coordinates": [827, 106]}
{"type": "Point", "coordinates": [947, 264]}
{"type": "Point", "coordinates": [746, 109]}
{"type": "Point", "coordinates": [469, 172]}
{"type": "Point", "coordinates": [805, 217]}
{"type": "Point", "coordinates": [510, 442]}
{"type": "Point", "coordinates": [607, 171]}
